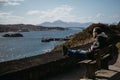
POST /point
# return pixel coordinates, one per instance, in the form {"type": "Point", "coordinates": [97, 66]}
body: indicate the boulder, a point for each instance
{"type": "Point", "coordinates": [13, 35]}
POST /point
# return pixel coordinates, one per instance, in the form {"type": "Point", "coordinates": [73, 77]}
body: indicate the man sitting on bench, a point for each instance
{"type": "Point", "coordinates": [100, 41]}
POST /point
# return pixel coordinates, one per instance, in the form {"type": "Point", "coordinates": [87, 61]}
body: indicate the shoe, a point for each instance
{"type": "Point", "coordinates": [65, 50]}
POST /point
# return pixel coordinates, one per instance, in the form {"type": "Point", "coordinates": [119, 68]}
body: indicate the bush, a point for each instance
{"type": "Point", "coordinates": [118, 46]}
{"type": "Point", "coordinates": [85, 36]}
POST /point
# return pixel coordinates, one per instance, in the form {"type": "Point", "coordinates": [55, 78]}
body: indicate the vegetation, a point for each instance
{"type": "Point", "coordinates": [85, 37]}
{"type": "Point", "coordinates": [118, 46]}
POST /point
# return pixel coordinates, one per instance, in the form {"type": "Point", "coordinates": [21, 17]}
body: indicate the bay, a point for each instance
{"type": "Point", "coordinates": [30, 44]}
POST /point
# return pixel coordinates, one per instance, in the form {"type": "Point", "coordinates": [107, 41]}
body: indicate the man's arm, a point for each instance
{"type": "Point", "coordinates": [99, 43]}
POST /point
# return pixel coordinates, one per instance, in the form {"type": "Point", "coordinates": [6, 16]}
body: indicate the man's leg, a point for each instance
{"type": "Point", "coordinates": [78, 53]}
{"type": "Point", "coordinates": [75, 53]}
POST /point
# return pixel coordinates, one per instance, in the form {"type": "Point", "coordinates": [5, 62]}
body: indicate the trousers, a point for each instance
{"type": "Point", "coordinates": [78, 53]}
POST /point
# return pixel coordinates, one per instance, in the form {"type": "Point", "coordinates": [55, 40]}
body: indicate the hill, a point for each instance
{"type": "Point", "coordinates": [26, 28]}
{"type": "Point", "coordinates": [64, 24]}
{"type": "Point", "coordinates": [85, 37]}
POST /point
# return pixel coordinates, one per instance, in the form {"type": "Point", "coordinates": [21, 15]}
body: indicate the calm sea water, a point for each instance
{"type": "Point", "coordinates": [30, 44]}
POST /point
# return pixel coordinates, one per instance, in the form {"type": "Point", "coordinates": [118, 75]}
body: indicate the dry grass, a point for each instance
{"type": "Point", "coordinates": [118, 46]}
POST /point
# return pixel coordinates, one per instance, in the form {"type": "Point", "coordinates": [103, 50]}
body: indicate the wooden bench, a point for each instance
{"type": "Point", "coordinates": [107, 75]}
{"type": "Point", "coordinates": [102, 57]}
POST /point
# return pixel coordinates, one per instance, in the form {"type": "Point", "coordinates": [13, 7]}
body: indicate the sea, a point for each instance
{"type": "Point", "coordinates": [30, 44]}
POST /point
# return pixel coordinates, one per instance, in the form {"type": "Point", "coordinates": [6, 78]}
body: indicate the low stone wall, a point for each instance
{"type": "Point", "coordinates": [36, 67]}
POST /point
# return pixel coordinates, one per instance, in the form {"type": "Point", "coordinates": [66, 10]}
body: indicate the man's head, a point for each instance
{"type": "Point", "coordinates": [96, 31]}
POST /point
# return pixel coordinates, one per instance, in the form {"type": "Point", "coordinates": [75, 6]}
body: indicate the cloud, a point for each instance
{"type": "Point", "coordinates": [8, 18]}
{"type": "Point", "coordinates": [10, 2]}
{"type": "Point", "coordinates": [62, 12]}
{"type": "Point", "coordinates": [116, 16]}
{"type": "Point", "coordinates": [50, 12]}
{"type": "Point", "coordinates": [33, 12]}
{"type": "Point", "coordinates": [99, 15]}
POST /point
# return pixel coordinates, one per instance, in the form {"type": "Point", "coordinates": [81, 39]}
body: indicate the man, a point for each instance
{"type": "Point", "coordinates": [100, 41]}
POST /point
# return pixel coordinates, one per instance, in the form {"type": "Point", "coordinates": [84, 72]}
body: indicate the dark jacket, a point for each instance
{"type": "Point", "coordinates": [100, 41]}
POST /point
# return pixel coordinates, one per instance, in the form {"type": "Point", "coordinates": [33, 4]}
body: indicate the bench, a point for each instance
{"type": "Point", "coordinates": [102, 57]}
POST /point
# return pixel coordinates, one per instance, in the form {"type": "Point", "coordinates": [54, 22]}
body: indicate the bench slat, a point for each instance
{"type": "Point", "coordinates": [105, 56]}
{"type": "Point", "coordinates": [85, 61]}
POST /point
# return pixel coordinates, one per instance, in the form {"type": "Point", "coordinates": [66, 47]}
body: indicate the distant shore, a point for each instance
{"type": "Point", "coordinates": [26, 28]}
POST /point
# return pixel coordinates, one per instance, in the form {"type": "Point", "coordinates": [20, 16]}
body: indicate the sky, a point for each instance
{"type": "Point", "coordinates": [39, 11]}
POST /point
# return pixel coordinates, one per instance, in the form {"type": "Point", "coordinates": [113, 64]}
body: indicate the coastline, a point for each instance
{"type": "Point", "coordinates": [29, 45]}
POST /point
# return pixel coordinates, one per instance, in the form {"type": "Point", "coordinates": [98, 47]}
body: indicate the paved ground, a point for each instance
{"type": "Point", "coordinates": [75, 74]}
{"type": "Point", "coordinates": [78, 72]}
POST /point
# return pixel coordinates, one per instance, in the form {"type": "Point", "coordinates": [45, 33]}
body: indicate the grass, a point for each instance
{"type": "Point", "coordinates": [118, 46]}
{"type": "Point", "coordinates": [85, 37]}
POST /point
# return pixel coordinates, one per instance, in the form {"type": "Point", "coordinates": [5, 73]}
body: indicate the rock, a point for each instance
{"type": "Point", "coordinates": [53, 39]}
{"type": "Point", "coordinates": [13, 35]}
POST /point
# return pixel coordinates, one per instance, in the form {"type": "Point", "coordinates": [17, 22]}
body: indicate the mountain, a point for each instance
{"type": "Point", "coordinates": [26, 28]}
{"type": "Point", "coordinates": [60, 23]}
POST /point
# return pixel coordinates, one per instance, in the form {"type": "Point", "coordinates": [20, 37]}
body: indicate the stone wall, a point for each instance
{"type": "Point", "coordinates": [36, 67]}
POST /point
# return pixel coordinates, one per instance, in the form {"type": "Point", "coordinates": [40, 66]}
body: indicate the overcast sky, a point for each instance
{"type": "Point", "coordinates": [38, 11]}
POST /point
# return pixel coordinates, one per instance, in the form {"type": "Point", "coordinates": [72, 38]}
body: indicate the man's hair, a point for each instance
{"type": "Point", "coordinates": [98, 30]}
